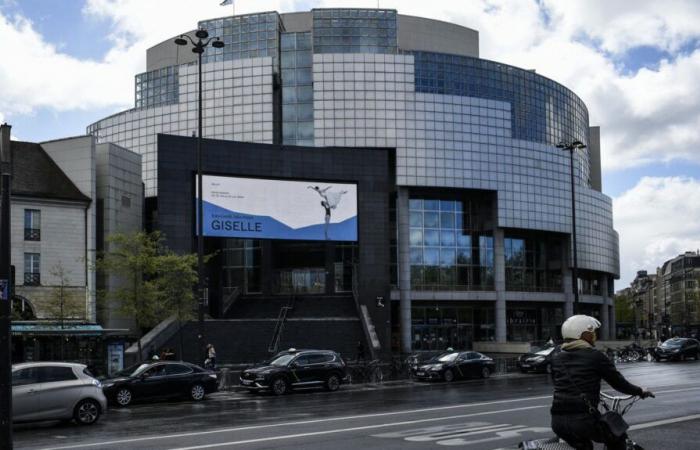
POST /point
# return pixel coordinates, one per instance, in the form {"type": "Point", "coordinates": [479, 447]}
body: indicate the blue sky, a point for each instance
{"type": "Point", "coordinates": [70, 63]}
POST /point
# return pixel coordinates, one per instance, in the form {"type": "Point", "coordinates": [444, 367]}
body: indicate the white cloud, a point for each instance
{"type": "Point", "coordinates": [657, 219]}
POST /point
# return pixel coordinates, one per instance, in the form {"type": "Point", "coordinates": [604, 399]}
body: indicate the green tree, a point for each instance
{"type": "Point", "coordinates": [63, 303]}
{"type": "Point", "coordinates": [176, 277]}
{"type": "Point", "coordinates": [133, 259]}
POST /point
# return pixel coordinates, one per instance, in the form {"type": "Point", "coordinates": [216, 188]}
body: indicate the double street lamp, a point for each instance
{"type": "Point", "coordinates": [202, 41]}
{"type": "Point", "coordinates": [570, 147]}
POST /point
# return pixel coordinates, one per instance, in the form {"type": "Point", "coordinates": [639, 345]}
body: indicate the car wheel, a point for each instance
{"type": "Point", "coordinates": [280, 386]}
{"type": "Point", "coordinates": [197, 392]}
{"type": "Point", "coordinates": [123, 397]}
{"type": "Point", "coordinates": [485, 372]}
{"type": "Point", "coordinates": [333, 383]}
{"type": "Point", "coordinates": [449, 376]}
{"type": "Point", "coordinates": [86, 412]}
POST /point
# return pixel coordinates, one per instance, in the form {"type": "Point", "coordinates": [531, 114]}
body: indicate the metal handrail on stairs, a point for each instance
{"type": "Point", "coordinates": [230, 296]}
{"type": "Point", "coordinates": [279, 326]}
{"type": "Point", "coordinates": [362, 312]}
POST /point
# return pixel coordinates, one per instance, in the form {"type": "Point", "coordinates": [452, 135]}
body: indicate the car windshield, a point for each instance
{"type": "Point", "coordinates": [282, 360]}
{"type": "Point", "coordinates": [545, 351]}
{"type": "Point", "coordinates": [447, 357]}
{"type": "Point", "coordinates": [132, 371]}
{"type": "Point", "coordinates": [672, 343]}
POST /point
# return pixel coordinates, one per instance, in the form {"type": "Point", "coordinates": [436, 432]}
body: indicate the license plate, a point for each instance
{"type": "Point", "coordinates": [246, 382]}
{"type": "Point", "coordinates": [420, 374]}
{"type": "Point", "coordinates": [525, 365]}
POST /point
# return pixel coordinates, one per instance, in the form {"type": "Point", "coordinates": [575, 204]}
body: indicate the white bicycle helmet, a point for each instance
{"type": "Point", "coordinates": [574, 326]}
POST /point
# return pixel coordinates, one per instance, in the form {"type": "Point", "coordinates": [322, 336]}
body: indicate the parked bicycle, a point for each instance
{"type": "Point", "coordinates": [365, 372]}
{"type": "Point", "coordinates": [618, 404]}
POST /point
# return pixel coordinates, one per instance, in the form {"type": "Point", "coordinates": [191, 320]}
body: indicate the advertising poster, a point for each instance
{"type": "Point", "coordinates": [279, 209]}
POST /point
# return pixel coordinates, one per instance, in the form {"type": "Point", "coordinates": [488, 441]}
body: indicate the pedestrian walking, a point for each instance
{"type": "Point", "coordinates": [210, 362]}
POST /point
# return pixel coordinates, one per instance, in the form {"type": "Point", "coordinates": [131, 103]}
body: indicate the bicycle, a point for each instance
{"type": "Point", "coordinates": [610, 403]}
{"type": "Point", "coordinates": [367, 372]}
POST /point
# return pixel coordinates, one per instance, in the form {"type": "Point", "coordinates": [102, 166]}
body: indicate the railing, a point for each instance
{"type": "Point", "coordinates": [367, 326]}
{"type": "Point", "coordinates": [279, 326]}
{"type": "Point", "coordinates": [32, 234]}
{"type": "Point", "coordinates": [229, 297]}
{"type": "Point", "coordinates": [32, 279]}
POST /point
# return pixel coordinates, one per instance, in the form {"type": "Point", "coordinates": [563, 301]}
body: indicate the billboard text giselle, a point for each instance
{"type": "Point", "coordinates": [279, 209]}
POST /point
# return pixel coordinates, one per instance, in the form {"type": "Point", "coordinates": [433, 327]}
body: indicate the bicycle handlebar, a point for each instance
{"type": "Point", "coordinates": [613, 397]}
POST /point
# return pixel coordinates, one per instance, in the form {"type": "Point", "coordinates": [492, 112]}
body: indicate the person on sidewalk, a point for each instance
{"type": "Point", "coordinates": [210, 362]}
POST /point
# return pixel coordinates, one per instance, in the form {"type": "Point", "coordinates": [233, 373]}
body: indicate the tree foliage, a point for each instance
{"type": "Point", "coordinates": [155, 282]}
{"type": "Point", "coordinates": [64, 304]}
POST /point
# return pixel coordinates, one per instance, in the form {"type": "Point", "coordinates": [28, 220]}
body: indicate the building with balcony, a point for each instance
{"type": "Point", "coordinates": [478, 203]}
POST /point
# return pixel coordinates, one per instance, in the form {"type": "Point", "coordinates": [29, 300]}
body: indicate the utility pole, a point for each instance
{"type": "Point", "coordinates": [5, 293]}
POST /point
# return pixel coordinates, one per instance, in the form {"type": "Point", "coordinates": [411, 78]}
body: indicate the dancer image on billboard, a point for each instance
{"type": "Point", "coordinates": [330, 201]}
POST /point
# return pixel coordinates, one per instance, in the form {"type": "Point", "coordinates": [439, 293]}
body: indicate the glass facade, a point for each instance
{"type": "Point", "coordinates": [157, 87]}
{"type": "Point", "coordinates": [542, 110]}
{"type": "Point", "coordinates": [247, 36]}
{"type": "Point", "coordinates": [446, 252]}
{"type": "Point", "coordinates": [533, 264]}
{"type": "Point", "coordinates": [241, 265]}
{"type": "Point", "coordinates": [438, 326]}
{"type": "Point", "coordinates": [297, 89]}
{"type": "Point", "coordinates": [354, 31]}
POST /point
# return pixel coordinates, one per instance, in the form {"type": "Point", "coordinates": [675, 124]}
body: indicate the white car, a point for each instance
{"type": "Point", "coordinates": [56, 391]}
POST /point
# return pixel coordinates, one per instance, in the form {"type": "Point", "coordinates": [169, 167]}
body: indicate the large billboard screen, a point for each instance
{"type": "Point", "coordinates": [279, 209]}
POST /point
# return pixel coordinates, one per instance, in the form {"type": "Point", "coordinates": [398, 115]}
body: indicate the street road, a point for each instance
{"type": "Point", "coordinates": [477, 414]}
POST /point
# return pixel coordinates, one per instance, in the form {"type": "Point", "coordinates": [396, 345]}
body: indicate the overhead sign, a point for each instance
{"type": "Point", "coordinates": [279, 209]}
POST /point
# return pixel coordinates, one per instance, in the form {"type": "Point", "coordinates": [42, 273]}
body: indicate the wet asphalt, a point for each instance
{"type": "Point", "coordinates": [475, 414]}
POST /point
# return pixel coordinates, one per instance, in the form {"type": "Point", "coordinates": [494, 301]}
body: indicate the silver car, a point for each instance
{"type": "Point", "coordinates": [56, 391]}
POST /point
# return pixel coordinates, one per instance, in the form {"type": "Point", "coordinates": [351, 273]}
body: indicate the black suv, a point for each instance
{"type": "Point", "coordinates": [296, 368]}
{"type": "Point", "coordinates": [678, 348]}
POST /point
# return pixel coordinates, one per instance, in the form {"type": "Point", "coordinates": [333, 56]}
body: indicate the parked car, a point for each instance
{"type": "Point", "coordinates": [678, 349]}
{"type": "Point", "coordinates": [56, 391]}
{"type": "Point", "coordinates": [454, 365]}
{"type": "Point", "coordinates": [296, 368]}
{"type": "Point", "coordinates": [159, 379]}
{"type": "Point", "coordinates": [539, 360]}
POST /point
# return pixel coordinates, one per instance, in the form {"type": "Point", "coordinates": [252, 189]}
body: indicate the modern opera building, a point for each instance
{"type": "Point", "coordinates": [463, 218]}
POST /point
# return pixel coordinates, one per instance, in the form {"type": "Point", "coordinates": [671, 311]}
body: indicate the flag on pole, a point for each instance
{"type": "Point", "coordinates": [227, 2]}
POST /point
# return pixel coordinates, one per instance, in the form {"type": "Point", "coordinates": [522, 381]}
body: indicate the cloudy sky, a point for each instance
{"type": "Point", "coordinates": [635, 64]}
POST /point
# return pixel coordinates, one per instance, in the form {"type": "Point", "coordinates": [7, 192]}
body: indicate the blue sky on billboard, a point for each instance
{"type": "Point", "coordinates": [67, 64]}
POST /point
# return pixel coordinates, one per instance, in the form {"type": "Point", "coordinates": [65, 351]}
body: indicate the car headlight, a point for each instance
{"type": "Point", "coordinates": [104, 385]}
{"type": "Point", "coordinates": [538, 359]}
{"type": "Point", "coordinates": [436, 367]}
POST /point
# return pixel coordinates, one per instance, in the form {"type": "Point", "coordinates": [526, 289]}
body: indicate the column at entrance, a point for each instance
{"type": "Point", "coordinates": [500, 284]}
{"type": "Point", "coordinates": [404, 269]}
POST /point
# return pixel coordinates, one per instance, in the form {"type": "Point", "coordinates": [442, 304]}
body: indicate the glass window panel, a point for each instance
{"type": "Point", "coordinates": [464, 256]}
{"type": "Point", "coordinates": [432, 237]}
{"type": "Point", "coordinates": [416, 236]}
{"type": "Point", "coordinates": [415, 204]}
{"type": "Point", "coordinates": [464, 240]}
{"type": "Point", "coordinates": [305, 111]}
{"type": "Point", "coordinates": [305, 93]}
{"type": "Point", "coordinates": [305, 130]}
{"type": "Point", "coordinates": [431, 219]}
{"type": "Point", "coordinates": [431, 256]}
{"type": "Point", "coordinates": [416, 219]}
{"type": "Point", "coordinates": [447, 238]}
{"type": "Point", "coordinates": [447, 205]}
{"type": "Point", "coordinates": [447, 220]}
{"type": "Point", "coordinates": [416, 255]}
{"type": "Point", "coordinates": [447, 257]}
{"type": "Point", "coordinates": [431, 205]}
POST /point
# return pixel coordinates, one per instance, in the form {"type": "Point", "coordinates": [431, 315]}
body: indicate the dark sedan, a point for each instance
{"type": "Point", "coordinates": [678, 349]}
{"type": "Point", "coordinates": [537, 361]}
{"type": "Point", "coordinates": [296, 369]}
{"type": "Point", "coordinates": [451, 366]}
{"type": "Point", "coordinates": [159, 379]}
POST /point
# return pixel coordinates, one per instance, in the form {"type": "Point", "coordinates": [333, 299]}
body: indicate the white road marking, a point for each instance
{"type": "Point", "coordinates": [656, 423]}
{"type": "Point", "coordinates": [345, 430]}
{"type": "Point", "coordinates": [313, 433]}
{"type": "Point", "coordinates": [304, 422]}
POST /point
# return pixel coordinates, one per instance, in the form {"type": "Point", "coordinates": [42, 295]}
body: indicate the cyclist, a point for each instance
{"type": "Point", "coordinates": [577, 369]}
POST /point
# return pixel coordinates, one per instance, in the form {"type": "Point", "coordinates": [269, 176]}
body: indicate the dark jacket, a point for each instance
{"type": "Point", "coordinates": [587, 366]}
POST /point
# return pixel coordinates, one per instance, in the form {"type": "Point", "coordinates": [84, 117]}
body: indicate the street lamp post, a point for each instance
{"type": "Point", "coordinates": [570, 147]}
{"type": "Point", "coordinates": [5, 293]}
{"type": "Point", "coordinates": [198, 46]}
